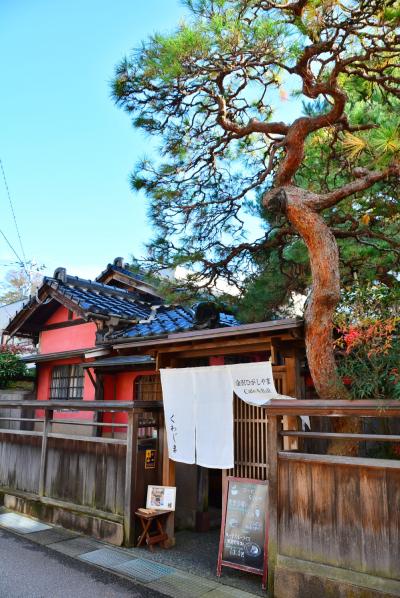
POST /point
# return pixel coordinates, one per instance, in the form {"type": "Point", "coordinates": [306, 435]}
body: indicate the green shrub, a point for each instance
{"type": "Point", "coordinates": [11, 367]}
{"type": "Point", "coordinates": [369, 343]}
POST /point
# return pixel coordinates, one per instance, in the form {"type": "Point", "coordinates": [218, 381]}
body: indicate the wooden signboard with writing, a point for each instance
{"type": "Point", "coordinates": [244, 529]}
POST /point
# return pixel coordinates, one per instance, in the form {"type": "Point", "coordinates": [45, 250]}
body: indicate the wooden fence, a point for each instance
{"type": "Point", "coordinates": [92, 476]}
{"type": "Point", "coordinates": [334, 520]}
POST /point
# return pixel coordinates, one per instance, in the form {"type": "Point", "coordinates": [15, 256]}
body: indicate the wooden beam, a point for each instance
{"type": "Point", "coordinates": [65, 324]}
{"type": "Point", "coordinates": [344, 436]}
{"type": "Point", "coordinates": [92, 380]}
{"type": "Point", "coordinates": [335, 408]}
{"type": "Point", "coordinates": [223, 350]}
{"type": "Point", "coordinates": [80, 405]}
{"type": "Point", "coordinates": [343, 461]}
{"type": "Point", "coordinates": [275, 340]}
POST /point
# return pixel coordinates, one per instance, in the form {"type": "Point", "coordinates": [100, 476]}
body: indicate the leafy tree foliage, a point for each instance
{"type": "Point", "coordinates": [366, 227]}
{"type": "Point", "coordinates": [19, 284]}
{"type": "Point", "coordinates": [208, 92]}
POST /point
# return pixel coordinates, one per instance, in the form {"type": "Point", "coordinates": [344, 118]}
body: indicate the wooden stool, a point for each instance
{"type": "Point", "coordinates": [152, 536]}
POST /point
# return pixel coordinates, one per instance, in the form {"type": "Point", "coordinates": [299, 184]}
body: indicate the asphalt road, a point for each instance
{"type": "Point", "coordinates": [29, 570]}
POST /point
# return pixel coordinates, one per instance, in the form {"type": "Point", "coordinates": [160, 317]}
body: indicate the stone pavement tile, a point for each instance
{"type": "Point", "coordinates": [182, 585]}
{"type": "Point", "coordinates": [49, 536]}
{"type": "Point", "coordinates": [21, 524]}
{"type": "Point", "coordinates": [105, 557]}
{"type": "Point", "coordinates": [143, 571]}
{"type": "Point", "coordinates": [229, 592]}
{"type": "Point", "coordinates": [76, 546]}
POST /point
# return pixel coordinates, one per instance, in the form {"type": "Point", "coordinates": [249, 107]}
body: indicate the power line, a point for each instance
{"type": "Point", "coordinates": [13, 213]}
{"type": "Point", "coordinates": [23, 261]}
{"type": "Point", "coordinates": [13, 250]}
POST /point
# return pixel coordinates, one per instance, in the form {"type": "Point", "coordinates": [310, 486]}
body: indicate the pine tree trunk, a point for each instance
{"type": "Point", "coordinates": [321, 304]}
{"type": "Point", "coordinates": [324, 297]}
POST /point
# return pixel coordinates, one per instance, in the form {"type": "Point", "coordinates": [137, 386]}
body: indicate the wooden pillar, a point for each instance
{"type": "Point", "coordinates": [274, 445]}
{"type": "Point", "coordinates": [291, 422]}
{"type": "Point", "coordinates": [168, 479]}
{"type": "Point", "coordinates": [164, 360]}
{"type": "Point", "coordinates": [130, 477]}
{"type": "Point", "coordinates": [48, 415]}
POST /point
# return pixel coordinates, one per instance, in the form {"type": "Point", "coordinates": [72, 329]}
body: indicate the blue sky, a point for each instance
{"type": "Point", "coordinates": [66, 148]}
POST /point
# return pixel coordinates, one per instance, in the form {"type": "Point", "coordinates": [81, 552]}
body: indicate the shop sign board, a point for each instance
{"type": "Point", "coordinates": [150, 460]}
{"type": "Point", "coordinates": [161, 498]}
{"type": "Point", "coordinates": [244, 529]}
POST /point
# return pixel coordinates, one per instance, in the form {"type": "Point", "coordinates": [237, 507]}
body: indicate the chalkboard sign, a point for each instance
{"type": "Point", "coordinates": [244, 529]}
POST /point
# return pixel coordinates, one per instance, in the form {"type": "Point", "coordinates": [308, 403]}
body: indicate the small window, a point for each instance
{"type": "Point", "coordinates": [67, 382]}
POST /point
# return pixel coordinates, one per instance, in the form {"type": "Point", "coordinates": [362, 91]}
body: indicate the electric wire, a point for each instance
{"type": "Point", "coordinates": [23, 261]}
{"type": "Point", "coordinates": [12, 249]}
{"type": "Point", "coordinates": [12, 210]}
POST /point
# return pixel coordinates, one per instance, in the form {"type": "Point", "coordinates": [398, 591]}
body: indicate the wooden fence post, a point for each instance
{"type": "Point", "coordinates": [274, 440]}
{"type": "Point", "coordinates": [130, 476]}
{"type": "Point", "coordinates": [48, 415]}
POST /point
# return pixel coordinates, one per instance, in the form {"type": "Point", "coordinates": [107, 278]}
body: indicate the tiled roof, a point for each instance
{"type": "Point", "coordinates": [121, 270]}
{"type": "Point", "coordinates": [101, 298]}
{"type": "Point", "coordinates": [139, 315]}
{"type": "Point", "coordinates": [169, 319]}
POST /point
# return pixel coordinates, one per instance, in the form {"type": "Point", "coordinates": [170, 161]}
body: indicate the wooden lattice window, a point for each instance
{"type": "Point", "coordinates": [250, 434]}
{"type": "Point", "coordinates": [148, 388]}
{"type": "Point", "coordinates": [67, 382]}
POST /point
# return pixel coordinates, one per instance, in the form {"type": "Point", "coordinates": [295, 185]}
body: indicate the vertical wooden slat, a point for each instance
{"type": "Point", "coordinates": [130, 476]}
{"type": "Point", "coordinates": [297, 540]}
{"type": "Point", "coordinates": [393, 501]}
{"type": "Point", "coordinates": [323, 501]}
{"type": "Point", "coordinates": [48, 414]}
{"type": "Point", "coordinates": [274, 445]}
{"type": "Point", "coordinates": [348, 515]}
{"type": "Point", "coordinates": [376, 545]}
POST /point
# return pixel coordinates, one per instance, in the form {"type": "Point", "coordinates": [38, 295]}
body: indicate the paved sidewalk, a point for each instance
{"type": "Point", "coordinates": [131, 564]}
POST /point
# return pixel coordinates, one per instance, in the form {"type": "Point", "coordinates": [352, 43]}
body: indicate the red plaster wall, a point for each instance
{"type": "Point", "coordinates": [61, 315]}
{"type": "Point", "coordinates": [81, 336]}
{"type": "Point", "coordinates": [218, 360]}
{"type": "Point", "coordinates": [120, 387]}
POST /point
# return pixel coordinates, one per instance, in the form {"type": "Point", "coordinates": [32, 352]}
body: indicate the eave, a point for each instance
{"type": "Point", "coordinates": [43, 357]}
{"type": "Point", "coordinates": [272, 327]}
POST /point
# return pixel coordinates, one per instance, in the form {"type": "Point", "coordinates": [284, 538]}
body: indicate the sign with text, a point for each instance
{"type": "Point", "coordinates": [254, 383]}
{"type": "Point", "coordinates": [244, 530]}
{"type": "Point", "coordinates": [150, 459]}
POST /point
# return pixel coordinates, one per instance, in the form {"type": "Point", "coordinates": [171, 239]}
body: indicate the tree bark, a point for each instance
{"type": "Point", "coordinates": [325, 291]}
{"type": "Point", "coordinates": [321, 303]}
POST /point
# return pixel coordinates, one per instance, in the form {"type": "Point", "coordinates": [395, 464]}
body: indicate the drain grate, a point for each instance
{"type": "Point", "coordinates": [229, 592]}
{"type": "Point", "coordinates": [76, 546]}
{"type": "Point", "coordinates": [105, 557]}
{"type": "Point", "coordinates": [180, 585]}
{"type": "Point", "coordinates": [144, 571]}
{"type": "Point", "coordinates": [21, 524]}
{"type": "Point", "coordinates": [49, 536]}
